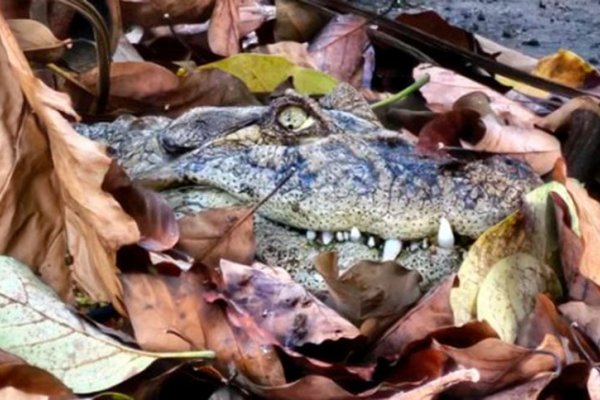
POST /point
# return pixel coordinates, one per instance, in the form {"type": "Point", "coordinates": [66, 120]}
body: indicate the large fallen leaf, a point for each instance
{"type": "Point", "coordinates": [281, 306]}
{"type": "Point", "coordinates": [39, 328]}
{"type": "Point", "coordinates": [338, 48]}
{"type": "Point", "coordinates": [170, 314]}
{"type": "Point", "coordinates": [147, 13]}
{"type": "Point", "coordinates": [54, 211]}
{"type": "Point", "coordinates": [567, 68]}
{"type": "Point", "coordinates": [264, 73]}
{"type": "Point", "coordinates": [508, 292]}
{"type": "Point", "coordinates": [37, 41]}
{"type": "Point", "coordinates": [526, 231]}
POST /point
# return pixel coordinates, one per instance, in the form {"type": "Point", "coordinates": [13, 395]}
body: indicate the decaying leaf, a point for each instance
{"type": "Point", "coordinates": [296, 21]}
{"type": "Point", "coordinates": [170, 314]}
{"type": "Point", "coordinates": [587, 318]}
{"type": "Point", "coordinates": [507, 294]}
{"type": "Point", "coordinates": [263, 73]}
{"type": "Point", "coordinates": [567, 68]}
{"type": "Point", "coordinates": [281, 306]}
{"type": "Point", "coordinates": [148, 13]}
{"type": "Point", "coordinates": [293, 51]}
{"type": "Point", "coordinates": [51, 187]}
{"type": "Point", "coordinates": [223, 33]}
{"type": "Point", "coordinates": [37, 41]}
{"type": "Point", "coordinates": [40, 329]}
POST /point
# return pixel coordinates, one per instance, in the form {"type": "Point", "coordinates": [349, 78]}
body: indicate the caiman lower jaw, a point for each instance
{"type": "Point", "coordinates": [391, 247]}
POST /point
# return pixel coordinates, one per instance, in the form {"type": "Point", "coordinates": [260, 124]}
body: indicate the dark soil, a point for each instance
{"type": "Point", "coordinates": [534, 27]}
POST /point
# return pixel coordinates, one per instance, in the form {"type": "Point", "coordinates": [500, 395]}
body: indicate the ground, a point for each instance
{"type": "Point", "coordinates": [535, 27]}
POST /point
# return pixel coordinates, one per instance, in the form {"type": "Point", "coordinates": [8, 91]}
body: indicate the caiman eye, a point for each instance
{"type": "Point", "coordinates": [294, 118]}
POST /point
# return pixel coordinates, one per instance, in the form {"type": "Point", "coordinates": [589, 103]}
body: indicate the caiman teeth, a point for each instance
{"type": "Point", "coordinates": [445, 237]}
{"type": "Point", "coordinates": [346, 236]}
{"type": "Point", "coordinates": [339, 236]}
{"type": "Point", "coordinates": [326, 237]}
{"type": "Point", "coordinates": [311, 236]}
{"type": "Point", "coordinates": [355, 234]}
{"type": "Point", "coordinates": [391, 249]}
{"type": "Point", "coordinates": [371, 242]}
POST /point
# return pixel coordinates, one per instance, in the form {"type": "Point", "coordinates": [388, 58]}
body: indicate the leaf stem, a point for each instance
{"type": "Point", "coordinates": [418, 84]}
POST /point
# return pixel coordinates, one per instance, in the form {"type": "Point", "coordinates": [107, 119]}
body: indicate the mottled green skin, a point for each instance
{"type": "Point", "coordinates": [344, 172]}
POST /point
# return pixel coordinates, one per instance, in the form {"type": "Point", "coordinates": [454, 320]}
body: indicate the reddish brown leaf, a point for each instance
{"type": "Point", "coordinates": [431, 313]}
{"type": "Point", "coordinates": [282, 307]}
{"type": "Point", "coordinates": [15, 8]}
{"type": "Point", "coordinates": [369, 289]}
{"type": "Point", "coordinates": [153, 215]}
{"type": "Point", "coordinates": [502, 364]}
{"type": "Point", "coordinates": [208, 236]}
{"type": "Point", "coordinates": [148, 13]}
{"type": "Point", "coordinates": [20, 379]}
{"type": "Point", "coordinates": [529, 390]}
{"type": "Point", "coordinates": [37, 41]}
{"type": "Point", "coordinates": [418, 367]}
{"type": "Point", "coordinates": [448, 129]}
{"type": "Point", "coordinates": [569, 384]}
{"type": "Point", "coordinates": [431, 390]}
{"type": "Point", "coordinates": [170, 314]}
{"type": "Point", "coordinates": [223, 33]}
{"type": "Point", "coordinates": [338, 49]}
{"type": "Point", "coordinates": [587, 318]}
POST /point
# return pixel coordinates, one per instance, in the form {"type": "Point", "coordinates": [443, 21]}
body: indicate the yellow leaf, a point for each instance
{"type": "Point", "coordinates": [264, 73]}
{"type": "Point", "coordinates": [508, 293]}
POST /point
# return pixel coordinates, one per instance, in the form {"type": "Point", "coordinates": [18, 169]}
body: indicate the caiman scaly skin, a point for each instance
{"type": "Point", "coordinates": [340, 171]}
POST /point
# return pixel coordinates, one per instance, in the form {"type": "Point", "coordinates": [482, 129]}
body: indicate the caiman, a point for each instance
{"type": "Point", "coordinates": [336, 179]}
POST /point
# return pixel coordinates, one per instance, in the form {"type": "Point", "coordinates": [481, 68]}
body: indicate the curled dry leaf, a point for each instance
{"type": "Point", "coordinates": [293, 51]}
{"type": "Point", "coordinates": [369, 289]}
{"type": "Point", "coordinates": [445, 87]}
{"type": "Point", "coordinates": [153, 215]}
{"type": "Point", "coordinates": [37, 41]}
{"type": "Point", "coordinates": [431, 390]}
{"type": "Point", "coordinates": [281, 306]}
{"type": "Point", "coordinates": [431, 313]}
{"type": "Point", "coordinates": [212, 235]}
{"type": "Point", "coordinates": [338, 49]}
{"type": "Point", "coordinates": [585, 316]}
{"type": "Point", "coordinates": [51, 182]}
{"type": "Point", "coordinates": [170, 314]}
{"type": "Point", "coordinates": [502, 364]}
{"type": "Point", "coordinates": [223, 33]}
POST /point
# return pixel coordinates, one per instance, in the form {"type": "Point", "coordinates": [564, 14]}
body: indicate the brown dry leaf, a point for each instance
{"type": "Point", "coordinates": [296, 21]}
{"type": "Point", "coordinates": [293, 51]}
{"type": "Point", "coordinates": [571, 251]}
{"type": "Point", "coordinates": [502, 364]}
{"type": "Point", "coordinates": [567, 68]}
{"type": "Point", "coordinates": [207, 236]}
{"type": "Point", "coordinates": [338, 49]}
{"type": "Point", "coordinates": [19, 380]}
{"type": "Point", "coordinates": [282, 307]}
{"type": "Point", "coordinates": [560, 117]}
{"type": "Point", "coordinates": [52, 201]}
{"type": "Point", "coordinates": [170, 314]}
{"type": "Point", "coordinates": [153, 215]}
{"type": "Point", "coordinates": [571, 383]}
{"type": "Point", "coordinates": [418, 367]}
{"type": "Point", "coordinates": [223, 33]}
{"type": "Point", "coordinates": [431, 390]}
{"type": "Point", "coordinates": [15, 8]}
{"type": "Point", "coordinates": [37, 41]}
{"type": "Point", "coordinates": [445, 87]}
{"type": "Point", "coordinates": [369, 289]}
{"type": "Point", "coordinates": [431, 313]}
{"type": "Point", "coordinates": [588, 211]}
{"type": "Point", "coordinates": [529, 390]}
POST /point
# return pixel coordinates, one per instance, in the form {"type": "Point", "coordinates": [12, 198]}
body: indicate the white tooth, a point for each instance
{"type": "Point", "coordinates": [371, 242]}
{"type": "Point", "coordinates": [339, 236]}
{"type": "Point", "coordinates": [414, 246]}
{"type": "Point", "coordinates": [425, 244]}
{"type": "Point", "coordinates": [326, 237]}
{"type": "Point", "coordinates": [346, 236]}
{"type": "Point", "coordinates": [311, 235]}
{"type": "Point", "coordinates": [391, 249]}
{"type": "Point", "coordinates": [355, 234]}
{"type": "Point", "coordinates": [445, 237]}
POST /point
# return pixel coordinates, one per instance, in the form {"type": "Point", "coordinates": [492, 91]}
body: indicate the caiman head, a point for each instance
{"type": "Point", "coordinates": [331, 171]}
